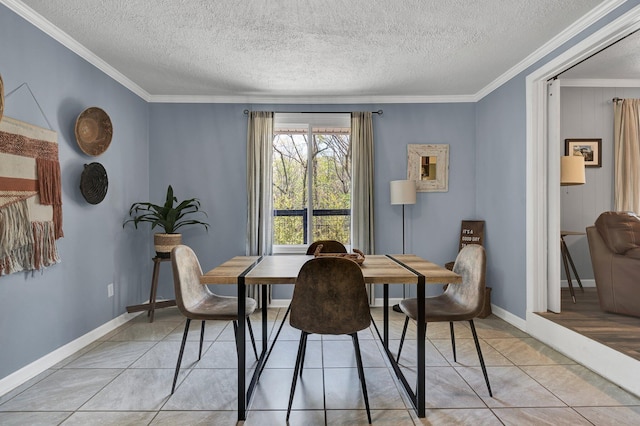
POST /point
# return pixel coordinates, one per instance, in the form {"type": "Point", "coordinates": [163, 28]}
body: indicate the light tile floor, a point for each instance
{"type": "Point", "coordinates": [125, 379]}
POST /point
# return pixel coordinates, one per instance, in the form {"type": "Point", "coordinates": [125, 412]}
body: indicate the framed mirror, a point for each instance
{"type": "Point", "coordinates": [428, 165]}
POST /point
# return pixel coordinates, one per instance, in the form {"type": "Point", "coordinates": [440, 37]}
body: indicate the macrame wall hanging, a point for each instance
{"type": "Point", "coordinates": [30, 197]}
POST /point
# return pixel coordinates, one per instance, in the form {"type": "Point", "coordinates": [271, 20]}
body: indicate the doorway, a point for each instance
{"type": "Point", "coordinates": [543, 214]}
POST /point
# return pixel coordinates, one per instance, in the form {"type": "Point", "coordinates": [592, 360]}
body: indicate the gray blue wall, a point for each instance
{"type": "Point", "coordinates": [200, 150]}
{"type": "Point", "coordinates": [500, 192]}
{"type": "Point", "coordinates": [501, 178]}
{"type": "Point", "coordinates": [42, 311]}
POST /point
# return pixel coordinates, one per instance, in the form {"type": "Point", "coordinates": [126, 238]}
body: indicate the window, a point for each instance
{"type": "Point", "coordinates": [311, 180]}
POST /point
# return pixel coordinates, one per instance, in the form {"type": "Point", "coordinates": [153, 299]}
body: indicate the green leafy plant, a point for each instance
{"type": "Point", "coordinates": [171, 216]}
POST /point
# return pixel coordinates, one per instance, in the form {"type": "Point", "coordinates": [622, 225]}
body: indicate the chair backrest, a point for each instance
{"type": "Point", "coordinates": [330, 297]}
{"type": "Point", "coordinates": [471, 264]}
{"type": "Point", "coordinates": [328, 246]}
{"type": "Point", "coordinates": [620, 231]}
{"type": "Point", "coordinates": [186, 279]}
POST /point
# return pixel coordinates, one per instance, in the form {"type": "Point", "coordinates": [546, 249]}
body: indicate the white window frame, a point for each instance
{"type": "Point", "coordinates": [296, 120]}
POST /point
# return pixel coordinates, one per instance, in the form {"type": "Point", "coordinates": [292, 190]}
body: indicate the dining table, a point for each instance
{"type": "Point", "coordinates": [385, 270]}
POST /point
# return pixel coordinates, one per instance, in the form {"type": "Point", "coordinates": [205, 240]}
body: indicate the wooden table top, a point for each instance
{"type": "Point", "coordinates": [283, 269]}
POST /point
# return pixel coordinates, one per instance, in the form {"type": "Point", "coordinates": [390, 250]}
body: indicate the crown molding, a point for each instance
{"type": "Point", "coordinates": [63, 38]}
{"type": "Point", "coordinates": [568, 33]}
{"type": "Point", "coordinates": [69, 42]}
{"type": "Point", "coordinates": [307, 100]}
{"type": "Point", "coordinates": [599, 82]}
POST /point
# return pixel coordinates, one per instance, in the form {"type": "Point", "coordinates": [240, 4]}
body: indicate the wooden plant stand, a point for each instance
{"type": "Point", "coordinates": [153, 305]}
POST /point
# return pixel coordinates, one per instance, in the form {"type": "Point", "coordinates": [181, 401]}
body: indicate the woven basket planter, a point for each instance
{"type": "Point", "coordinates": [164, 243]}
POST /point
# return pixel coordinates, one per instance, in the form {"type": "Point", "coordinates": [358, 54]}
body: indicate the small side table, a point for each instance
{"type": "Point", "coordinates": [152, 305]}
{"type": "Point", "coordinates": [566, 260]}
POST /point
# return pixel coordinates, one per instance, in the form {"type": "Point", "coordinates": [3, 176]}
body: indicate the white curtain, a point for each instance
{"type": "Point", "coordinates": [259, 190]}
{"type": "Point", "coordinates": [627, 155]}
{"type": "Point", "coordinates": [362, 186]}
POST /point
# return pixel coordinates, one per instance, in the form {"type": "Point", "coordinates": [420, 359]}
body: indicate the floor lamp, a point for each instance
{"type": "Point", "coordinates": [571, 173]}
{"type": "Point", "coordinates": [402, 192]}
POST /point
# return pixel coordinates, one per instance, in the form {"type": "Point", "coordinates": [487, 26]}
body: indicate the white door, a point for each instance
{"type": "Point", "coordinates": [553, 186]}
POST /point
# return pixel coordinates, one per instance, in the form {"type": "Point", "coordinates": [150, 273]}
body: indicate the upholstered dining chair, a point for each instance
{"type": "Point", "coordinates": [196, 302]}
{"type": "Point", "coordinates": [329, 298]}
{"type": "Point", "coordinates": [459, 302]}
{"type": "Point", "coordinates": [328, 246]}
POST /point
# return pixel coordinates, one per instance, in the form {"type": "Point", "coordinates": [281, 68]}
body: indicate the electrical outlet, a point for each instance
{"type": "Point", "coordinates": [110, 290]}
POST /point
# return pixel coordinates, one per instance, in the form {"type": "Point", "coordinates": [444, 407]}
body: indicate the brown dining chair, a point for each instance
{"type": "Point", "coordinates": [459, 302]}
{"type": "Point", "coordinates": [328, 246]}
{"type": "Point", "coordinates": [329, 298]}
{"type": "Point", "coordinates": [196, 302]}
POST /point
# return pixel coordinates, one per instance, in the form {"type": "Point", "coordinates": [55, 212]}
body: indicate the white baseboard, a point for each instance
{"type": "Point", "coordinates": [585, 283]}
{"type": "Point", "coordinates": [279, 303]}
{"type": "Point", "coordinates": [38, 366]}
{"type": "Point", "coordinates": [379, 302]}
{"type": "Point", "coordinates": [509, 317]}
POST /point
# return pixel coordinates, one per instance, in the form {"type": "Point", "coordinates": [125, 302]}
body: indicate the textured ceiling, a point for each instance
{"type": "Point", "coordinates": [312, 48]}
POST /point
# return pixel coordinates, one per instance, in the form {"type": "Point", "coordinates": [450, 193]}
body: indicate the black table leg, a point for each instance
{"type": "Point", "coordinates": [385, 314]}
{"type": "Point", "coordinates": [564, 251]}
{"type": "Point", "coordinates": [573, 266]}
{"type": "Point", "coordinates": [418, 398]}
{"type": "Point", "coordinates": [265, 301]}
{"type": "Point", "coordinates": [422, 331]}
{"type": "Point", "coordinates": [242, 344]}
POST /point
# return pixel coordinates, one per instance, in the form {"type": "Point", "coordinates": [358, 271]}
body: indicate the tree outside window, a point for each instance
{"type": "Point", "coordinates": [300, 219]}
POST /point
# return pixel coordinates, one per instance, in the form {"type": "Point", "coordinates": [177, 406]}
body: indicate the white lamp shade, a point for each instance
{"type": "Point", "coordinates": [572, 170]}
{"type": "Point", "coordinates": [403, 191]}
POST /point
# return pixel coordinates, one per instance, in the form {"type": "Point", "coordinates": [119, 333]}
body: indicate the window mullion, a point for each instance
{"type": "Point", "coordinates": [310, 224]}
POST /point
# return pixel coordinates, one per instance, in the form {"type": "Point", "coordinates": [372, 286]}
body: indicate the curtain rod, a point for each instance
{"type": "Point", "coordinates": [593, 54]}
{"type": "Point", "coordinates": [616, 99]}
{"type": "Point", "coordinates": [379, 112]}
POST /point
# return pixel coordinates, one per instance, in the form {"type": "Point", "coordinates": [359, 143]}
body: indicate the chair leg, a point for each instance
{"type": "Point", "coordinates": [295, 373]}
{"type": "Point", "coordinates": [201, 340]}
{"type": "Point", "coordinates": [253, 340]}
{"type": "Point", "coordinates": [356, 347]}
{"type": "Point", "coordinates": [304, 352]}
{"type": "Point", "coordinates": [184, 340]}
{"type": "Point", "coordinates": [404, 333]}
{"type": "Point", "coordinates": [484, 369]}
{"type": "Point", "coordinates": [453, 340]}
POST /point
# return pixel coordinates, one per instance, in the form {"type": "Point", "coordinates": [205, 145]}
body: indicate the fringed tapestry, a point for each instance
{"type": "Point", "coordinates": [30, 197]}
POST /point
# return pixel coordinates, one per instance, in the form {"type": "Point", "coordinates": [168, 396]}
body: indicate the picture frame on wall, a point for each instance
{"type": "Point", "coordinates": [428, 166]}
{"type": "Point", "coordinates": [590, 149]}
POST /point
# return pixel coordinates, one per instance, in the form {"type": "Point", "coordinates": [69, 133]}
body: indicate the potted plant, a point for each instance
{"type": "Point", "coordinates": [169, 217]}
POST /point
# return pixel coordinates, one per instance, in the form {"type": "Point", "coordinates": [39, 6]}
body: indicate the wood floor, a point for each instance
{"type": "Point", "coordinates": [619, 332]}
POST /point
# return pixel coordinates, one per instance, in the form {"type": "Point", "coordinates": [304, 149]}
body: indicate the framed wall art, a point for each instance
{"type": "Point", "coordinates": [428, 165]}
{"type": "Point", "coordinates": [590, 149]}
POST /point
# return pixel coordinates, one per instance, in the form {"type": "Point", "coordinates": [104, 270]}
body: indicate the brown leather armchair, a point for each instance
{"type": "Point", "coordinates": [614, 245]}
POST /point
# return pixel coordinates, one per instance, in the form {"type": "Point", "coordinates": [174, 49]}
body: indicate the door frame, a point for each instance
{"type": "Point", "coordinates": [543, 163]}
